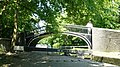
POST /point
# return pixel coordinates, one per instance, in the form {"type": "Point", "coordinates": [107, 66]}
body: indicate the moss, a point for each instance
{"type": "Point", "coordinates": [107, 60]}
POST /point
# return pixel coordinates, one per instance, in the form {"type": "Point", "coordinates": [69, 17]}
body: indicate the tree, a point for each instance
{"type": "Point", "coordinates": [102, 13]}
{"type": "Point", "coordinates": [19, 16]}
{"type": "Point", "coordinates": [22, 15]}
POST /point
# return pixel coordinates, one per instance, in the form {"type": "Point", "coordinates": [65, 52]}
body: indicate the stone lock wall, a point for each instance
{"type": "Point", "coordinates": [105, 40]}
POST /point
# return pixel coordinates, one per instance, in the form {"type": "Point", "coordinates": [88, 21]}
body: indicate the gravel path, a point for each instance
{"type": "Point", "coordinates": [42, 59]}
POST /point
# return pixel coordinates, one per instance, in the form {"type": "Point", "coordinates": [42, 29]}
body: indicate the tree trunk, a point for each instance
{"type": "Point", "coordinates": [14, 38]}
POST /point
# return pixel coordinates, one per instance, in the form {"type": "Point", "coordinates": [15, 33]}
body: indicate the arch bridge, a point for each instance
{"type": "Point", "coordinates": [30, 41]}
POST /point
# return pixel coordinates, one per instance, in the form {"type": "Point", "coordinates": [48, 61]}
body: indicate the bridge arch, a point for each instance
{"type": "Point", "coordinates": [34, 41]}
{"type": "Point", "coordinates": [80, 35]}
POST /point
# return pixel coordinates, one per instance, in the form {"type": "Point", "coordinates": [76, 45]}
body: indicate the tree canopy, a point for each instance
{"type": "Point", "coordinates": [22, 15]}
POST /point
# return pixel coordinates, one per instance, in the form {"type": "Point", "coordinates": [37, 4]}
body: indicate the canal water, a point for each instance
{"type": "Point", "coordinates": [44, 59]}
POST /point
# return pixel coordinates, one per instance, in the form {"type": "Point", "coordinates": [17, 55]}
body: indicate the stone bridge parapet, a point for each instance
{"type": "Point", "coordinates": [106, 45]}
{"type": "Point", "coordinates": [106, 40]}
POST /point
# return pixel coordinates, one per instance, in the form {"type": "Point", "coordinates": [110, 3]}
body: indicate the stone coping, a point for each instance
{"type": "Point", "coordinates": [107, 54]}
{"type": "Point", "coordinates": [113, 30]}
{"type": "Point", "coordinates": [114, 61]}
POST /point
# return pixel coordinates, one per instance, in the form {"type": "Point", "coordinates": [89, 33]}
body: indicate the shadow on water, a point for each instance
{"type": "Point", "coordinates": [42, 59]}
{"type": "Point", "coordinates": [23, 60]}
{"type": "Point", "coordinates": [7, 61]}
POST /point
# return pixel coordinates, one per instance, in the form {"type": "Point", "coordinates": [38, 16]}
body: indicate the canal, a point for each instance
{"type": "Point", "coordinates": [45, 59]}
